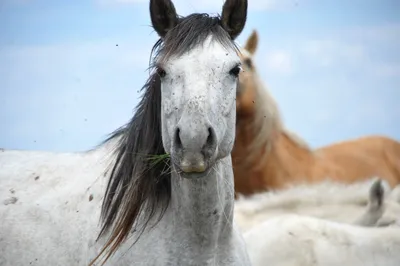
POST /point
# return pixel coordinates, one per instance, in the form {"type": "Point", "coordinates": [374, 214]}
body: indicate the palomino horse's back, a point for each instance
{"type": "Point", "coordinates": [361, 158]}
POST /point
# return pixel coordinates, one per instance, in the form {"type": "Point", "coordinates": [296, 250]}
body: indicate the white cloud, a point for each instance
{"type": "Point", "coordinates": [326, 52]}
{"type": "Point", "coordinates": [76, 57]}
{"type": "Point", "coordinates": [371, 110]}
{"type": "Point", "coordinates": [323, 116]}
{"type": "Point", "coordinates": [373, 50]}
{"type": "Point", "coordinates": [386, 70]}
{"type": "Point", "coordinates": [280, 62]}
{"type": "Point", "coordinates": [381, 33]}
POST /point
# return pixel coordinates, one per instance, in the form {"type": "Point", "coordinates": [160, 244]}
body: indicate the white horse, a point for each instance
{"type": "Point", "coordinates": [178, 216]}
{"type": "Point", "coordinates": [293, 240]}
{"type": "Point", "coordinates": [368, 203]}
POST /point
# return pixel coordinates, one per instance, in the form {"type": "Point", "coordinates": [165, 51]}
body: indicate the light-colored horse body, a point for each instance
{"type": "Point", "coordinates": [293, 240]}
{"type": "Point", "coordinates": [150, 215]}
{"type": "Point", "coordinates": [266, 155]}
{"type": "Point", "coordinates": [50, 206]}
{"type": "Point", "coordinates": [368, 203]}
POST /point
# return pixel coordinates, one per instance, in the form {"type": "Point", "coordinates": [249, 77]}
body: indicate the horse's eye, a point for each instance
{"type": "Point", "coordinates": [161, 72]}
{"type": "Point", "coordinates": [248, 63]}
{"type": "Point", "coordinates": [235, 71]}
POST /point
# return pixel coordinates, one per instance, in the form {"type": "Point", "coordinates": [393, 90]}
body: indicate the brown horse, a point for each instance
{"type": "Point", "coordinates": [268, 156]}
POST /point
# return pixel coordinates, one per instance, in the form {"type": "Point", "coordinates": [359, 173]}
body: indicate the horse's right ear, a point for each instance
{"type": "Point", "coordinates": [163, 16]}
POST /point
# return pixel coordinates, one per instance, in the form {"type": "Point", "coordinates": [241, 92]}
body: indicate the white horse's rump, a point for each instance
{"type": "Point", "coordinates": [355, 203]}
{"type": "Point", "coordinates": [292, 240]}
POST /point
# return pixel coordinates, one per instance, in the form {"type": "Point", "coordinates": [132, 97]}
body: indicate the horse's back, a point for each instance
{"type": "Point", "coordinates": [352, 160]}
{"type": "Point", "coordinates": [363, 144]}
{"type": "Point", "coordinates": [48, 201]}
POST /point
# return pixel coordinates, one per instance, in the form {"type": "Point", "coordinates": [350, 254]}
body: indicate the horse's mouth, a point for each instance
{"type": "Point", "coordinates": [194, 175]}
{"type": "Point", "coordinates": [195, 170]}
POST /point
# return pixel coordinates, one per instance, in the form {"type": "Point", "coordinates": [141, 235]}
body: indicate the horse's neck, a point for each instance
{"type": "Point", "coordinates": [202, 213]}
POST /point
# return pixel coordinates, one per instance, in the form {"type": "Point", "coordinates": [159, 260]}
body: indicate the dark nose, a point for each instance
{"type": "Point", "coordinates": [204, 142]}
{"type": "Point", "coordinates": [194, 146]}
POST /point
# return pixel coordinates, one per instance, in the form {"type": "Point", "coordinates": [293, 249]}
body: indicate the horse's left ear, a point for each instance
{"type": "Point", "coordinates": [163, 16]}
{"type": "Point", "coordinates": [252, 42]}
{"type": "Point", "coordinates": [234, 15]}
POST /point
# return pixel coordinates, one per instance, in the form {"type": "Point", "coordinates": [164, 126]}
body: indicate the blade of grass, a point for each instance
{"type": "Point", "coordinates": [157, 158]}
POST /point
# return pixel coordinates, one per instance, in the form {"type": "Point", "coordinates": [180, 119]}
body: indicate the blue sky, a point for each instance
{"type": "Point", "coordinates": [332, 66]}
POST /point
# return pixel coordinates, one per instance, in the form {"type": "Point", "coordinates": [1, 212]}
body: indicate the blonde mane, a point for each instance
{"type": "Point", "coordinates": [296, 139]}
{"type": "Point", "coordinates": [267, 115]}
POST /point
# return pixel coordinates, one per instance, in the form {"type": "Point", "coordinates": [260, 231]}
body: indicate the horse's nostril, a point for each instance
{"type": "Point", "coordinates": [210, 138]}
{"type": "Point", "coordinates": [211, 143]}
{"type": "Point", "coordinates": [177, 139]}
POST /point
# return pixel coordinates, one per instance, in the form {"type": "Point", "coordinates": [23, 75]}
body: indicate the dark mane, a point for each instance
{"type": "Point", "coordinates": [190, 32]}
{"type": "Point", "coordinates": [136, 186]}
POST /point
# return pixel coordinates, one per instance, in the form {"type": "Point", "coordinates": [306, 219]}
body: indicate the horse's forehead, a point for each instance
{"type": "Point", "coordinates": [211, 53]}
